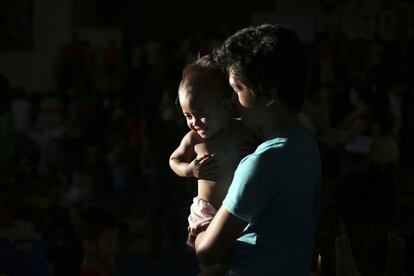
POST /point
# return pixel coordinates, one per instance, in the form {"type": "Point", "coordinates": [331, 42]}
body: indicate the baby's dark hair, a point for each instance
{"type": "Point", "coordinates": [89, 222]}
{"type": "Point", "coordinates": [267, 56]}
{"type": "Point", "coordinates": [206, 72]}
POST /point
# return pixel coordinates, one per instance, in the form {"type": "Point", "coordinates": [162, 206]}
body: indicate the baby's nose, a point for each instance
{"type": "Point", "coordinates": [197, 121]}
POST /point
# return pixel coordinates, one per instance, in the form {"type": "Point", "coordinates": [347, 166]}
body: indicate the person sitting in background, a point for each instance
{"type": "Point", "coordinates": [353, 134]}
{"type": "Point", "coordinates": [384, 153]}
{"type": "Point", "coordinates": [316, 114]}
{"type": "Point", "coordinates": [357, 122]}
{"type": "Point", "coordinates": [98, 230]}
{"type": "Point", "coordinates": [22, 250]}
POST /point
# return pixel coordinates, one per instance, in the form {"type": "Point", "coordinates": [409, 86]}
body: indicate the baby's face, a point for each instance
{"type": "Point", "coordinates": [205, 112]}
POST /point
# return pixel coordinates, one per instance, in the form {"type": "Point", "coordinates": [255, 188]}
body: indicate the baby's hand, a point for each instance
{"type": "Point", "coordinates": [204, 167]}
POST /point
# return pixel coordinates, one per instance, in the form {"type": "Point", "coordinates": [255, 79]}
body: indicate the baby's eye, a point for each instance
{"type": "Point", "coordinates": [188, 117]}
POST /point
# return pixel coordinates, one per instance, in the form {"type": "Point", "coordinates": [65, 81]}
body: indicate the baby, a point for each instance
{"type": "Point", "coordinates": [215, 144]}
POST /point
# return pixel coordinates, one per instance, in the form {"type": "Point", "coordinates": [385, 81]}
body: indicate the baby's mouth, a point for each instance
{"type": "Point", "coordinates": [202, 131]}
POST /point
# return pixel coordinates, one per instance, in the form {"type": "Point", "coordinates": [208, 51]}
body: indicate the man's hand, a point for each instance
{"type": "Point", "coordinates": [213, 245]}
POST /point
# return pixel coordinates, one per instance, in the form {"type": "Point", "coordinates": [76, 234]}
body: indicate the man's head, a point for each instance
{"type": "Point", "coordinates": [267, 60]}
{"type": "Point", "coordinates": [204, 96]}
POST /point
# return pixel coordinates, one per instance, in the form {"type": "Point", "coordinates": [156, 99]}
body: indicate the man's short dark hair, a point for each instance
{"type": "Point", "coordinates": [267, 56]}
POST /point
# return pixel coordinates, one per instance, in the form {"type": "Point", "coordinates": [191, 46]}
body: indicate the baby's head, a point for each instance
{"type": "Point", "coordinates": [204, 95]}
{"type": "Point", "coordinates": [98, 230]}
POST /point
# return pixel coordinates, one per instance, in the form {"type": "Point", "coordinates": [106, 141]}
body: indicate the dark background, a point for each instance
{"type": "Point", "coordinates": [87, 116]}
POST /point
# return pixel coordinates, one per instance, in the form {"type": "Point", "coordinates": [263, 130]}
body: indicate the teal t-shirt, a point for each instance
{"type": "Point", "coordinates": [276, 190]}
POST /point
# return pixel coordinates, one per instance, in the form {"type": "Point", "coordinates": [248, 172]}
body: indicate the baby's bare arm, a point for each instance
{"type": "Point", "coordinates": [183, 160]}
{"type": "Point", "coordinates": [182, 156]}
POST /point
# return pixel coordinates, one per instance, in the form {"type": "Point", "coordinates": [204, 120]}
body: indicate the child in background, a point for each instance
{"type": "Point", "coordinates": [213, 147]}
{"type": "Point", "coordinates": [98, 231]}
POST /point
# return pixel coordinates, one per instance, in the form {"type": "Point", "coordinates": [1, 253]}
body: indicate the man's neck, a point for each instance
{"type": "Point", "coordinates": [277, 121]}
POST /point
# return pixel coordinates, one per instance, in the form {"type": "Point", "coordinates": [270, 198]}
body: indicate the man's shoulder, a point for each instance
{"type": "Point", "coordinates": [283, 148]}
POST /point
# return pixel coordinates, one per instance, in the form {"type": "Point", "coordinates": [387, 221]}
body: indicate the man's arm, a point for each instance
{"type": "Point", "coordinates": [213, 245]}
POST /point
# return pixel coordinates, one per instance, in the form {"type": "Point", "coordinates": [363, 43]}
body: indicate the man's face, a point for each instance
{"type": "Point", "coordinates": [245, 100]}
{"type": "Point", "coordinates": [245, 97]}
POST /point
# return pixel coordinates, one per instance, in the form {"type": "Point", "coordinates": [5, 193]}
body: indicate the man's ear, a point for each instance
{"type": "Point", "coordinates": [269, 96]}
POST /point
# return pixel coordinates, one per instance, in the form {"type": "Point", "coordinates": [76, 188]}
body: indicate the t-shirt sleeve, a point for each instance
{"type": "Point", "coordinates": [253, 188]}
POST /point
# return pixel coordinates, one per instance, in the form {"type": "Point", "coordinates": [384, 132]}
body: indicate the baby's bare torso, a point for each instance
{"type": "Point", "coordinates": [225, 146]}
